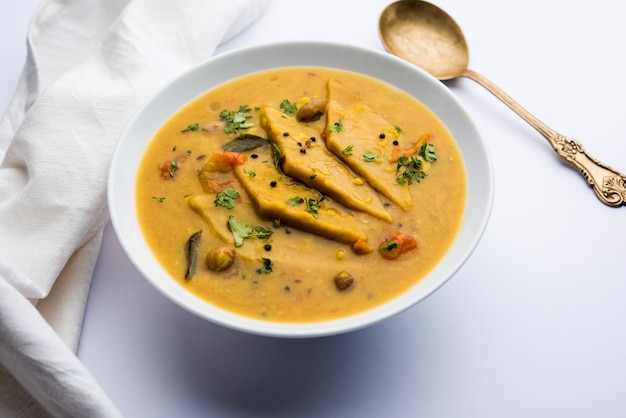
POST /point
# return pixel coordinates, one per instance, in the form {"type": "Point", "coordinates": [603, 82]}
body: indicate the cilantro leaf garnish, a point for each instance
{"type": "Point", "coordinates": [227, 198]}
{"type": "Point", "coordinates": [191, 127]}
{"type": "Point", "coordinates": [236, 120]}
{"type": "Point", "coordinates": [267, 266]}
{"type": "Point", "coordinates": [173, 167]}
{"type": "Point", "coordinates": [347, 150]}
{"type": "Point", "coordinates": [314, 205]}
{"type": "Point", "coordinates": [337, 126]}
{"type": "Point", "coordinates": [409, 170]}
{"type": "Point", "coordinates": [428, 152]}
{"type": "Point", "coordinates": [388, 246]}
{"type": "Point", "coordinates": [242, 230]}
{"type": "Point", "coordinates": [288, 107]}
{"type": "Point", "coordinates": [295, 201]}
{"type": "Point", "coordinates": [276, 156]}
{"type": "Point", "coordinates": [370, 157]}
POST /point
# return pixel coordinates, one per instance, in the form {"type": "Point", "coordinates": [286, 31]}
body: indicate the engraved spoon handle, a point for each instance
{"type": "Point", "coordinates": [608, 184]}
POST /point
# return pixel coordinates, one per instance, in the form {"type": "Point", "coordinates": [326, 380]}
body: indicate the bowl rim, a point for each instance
{"type": "Point", "coordinates": [229, 65]}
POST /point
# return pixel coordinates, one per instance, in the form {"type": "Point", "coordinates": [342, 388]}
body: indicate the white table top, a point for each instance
{"type": "Point", "coordinates": [532, 325]}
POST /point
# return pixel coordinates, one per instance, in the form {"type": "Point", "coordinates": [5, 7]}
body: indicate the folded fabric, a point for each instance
{"type": "Point", "coordinates": [91, 65]}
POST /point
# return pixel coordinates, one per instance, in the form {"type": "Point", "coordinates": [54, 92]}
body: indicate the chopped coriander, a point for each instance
{"type": "Point", "coordinates": [278, 224]}
{"type": "Point", "coordinates": [288, 107]}
{"type": "Point", "coordinates": [191, 127]}
{"type": "Point", "coordinates": [276, 156]}
{"type": "Point", "coordinates": [241, 230]}
{"type": "Point", "coordinates": [267, 266]}
{"type": "Point", "coordinates": [428, 152]}
{"type": "Point", "coordinates": [227, 198]}
{"type": "Point", "coordinates": [403, 160]}
{"type": "Point", "coordinates": [249, 172]}
{"type": "Point", "coordinates": [347, 150]}
{"type": "Point", "coordinates": [295, 201]}
{"type": "Point", "coordinates": [174, 148]}
{"type": "Point", "coordinates": [370, 157]}
{"type": "Point", "coordinates": [388, 246]}
{"type": "Point", "coordinates": [159, 199]}
{"type": "Point", "coordinates": [314, 205]}
{"type": "Point", "coordinates": [313, 174]}
{"type": "Point", "coordinates": [398, 129]}
{"type": "Point", "coordinates": [236, 120]}
{"type": "Point", "coordinates": [409, 170]}
{"type": "Point", "coordinates": [337, 126]}
{"type": "Point", "coordinates": [173, 167]}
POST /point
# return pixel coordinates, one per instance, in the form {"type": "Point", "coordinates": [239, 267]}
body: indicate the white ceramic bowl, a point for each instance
{"type": "Point", "coordinates": [405, 76]}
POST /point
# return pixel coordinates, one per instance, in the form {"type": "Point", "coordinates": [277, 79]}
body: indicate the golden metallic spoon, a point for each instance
{"type": "Point", "coordinates": [425, 35]}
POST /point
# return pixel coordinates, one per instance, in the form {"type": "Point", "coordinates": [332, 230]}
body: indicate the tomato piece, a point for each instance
{"type": "Point", "coordinates": [224, 161]}
{"type": "Point", "coordinates": [169, 168]}
{"type": "Point", "coordinates": [398, 151]}
{"type": "Point", "coordinates": [361, 247]}
{"type": "Point", "coordinates": [397, 244]}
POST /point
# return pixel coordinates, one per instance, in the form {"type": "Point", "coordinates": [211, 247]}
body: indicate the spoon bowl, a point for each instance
{"type": "Point", "coordinates": [428, 37]}
{"type": "Point", "coordinates": [425, 35]}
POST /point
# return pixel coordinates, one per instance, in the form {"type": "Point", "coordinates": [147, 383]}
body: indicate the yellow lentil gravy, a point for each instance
{"type": "Point", "coordinates": [301, 194]}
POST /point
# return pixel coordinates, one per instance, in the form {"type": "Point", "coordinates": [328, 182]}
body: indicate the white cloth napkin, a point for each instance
{"type": "Point", "coordinates": [91, 65]}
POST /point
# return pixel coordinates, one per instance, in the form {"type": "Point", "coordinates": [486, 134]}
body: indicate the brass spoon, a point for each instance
{"type": "Point", "coordinates": [425, 35]}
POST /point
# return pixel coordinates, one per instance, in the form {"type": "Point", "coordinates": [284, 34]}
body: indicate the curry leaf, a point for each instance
{"type": "Point", "coordinates": [191, 253]}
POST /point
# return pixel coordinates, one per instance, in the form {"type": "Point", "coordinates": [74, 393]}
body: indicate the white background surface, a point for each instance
{"type": "Point", "coordinates": [531, 326]}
